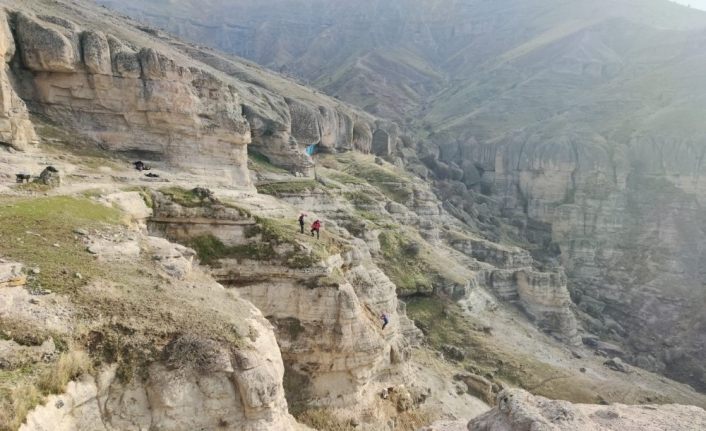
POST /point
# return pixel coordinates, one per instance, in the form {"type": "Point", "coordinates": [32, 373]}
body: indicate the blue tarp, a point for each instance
{"type": "Point", "coordinates": [311, 149]}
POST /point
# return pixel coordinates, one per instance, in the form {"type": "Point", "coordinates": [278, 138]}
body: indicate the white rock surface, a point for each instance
{"type": "Point", "coordinates": [518, 410]}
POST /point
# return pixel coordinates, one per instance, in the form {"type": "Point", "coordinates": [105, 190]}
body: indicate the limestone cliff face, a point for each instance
{"type": "Point", "coordinates": [325, 309]}
{"type": "Point", "coordinates": [16, 130]}
{"type": "Point", "coordinates": [235, 391]}
{"type": "Point", "coordinates": [189, 381]}
{"type": "Point", "coordinates": [629, 226]}
{"type": "Point", "coordinates": [131, 99]}
{"type": "Point", "coordinates": [511, 273]}
{"type": "Point", "coordinates": [147, 96]}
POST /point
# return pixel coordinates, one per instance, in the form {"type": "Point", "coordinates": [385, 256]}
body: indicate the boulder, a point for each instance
{"type": "Point", "coordinates": [96, 53]}
{"type": "Point", "coordinates": [11, 274]}
{"type": "Point", "coordinates": [478, 386]}
{"type": "Point", "coordinates": [50, 177]}
{"type": "Point", "coordinates": [617, 364]}
{"type": "Point", "coordinates": [518, 410]}
{"type": "Point", "coordinates": [44, 47]}
{"type": "Point", "coordinates": [453, 353]}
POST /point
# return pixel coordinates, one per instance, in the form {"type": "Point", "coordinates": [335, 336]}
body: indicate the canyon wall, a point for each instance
{"type": "Point", "coordinates": [627, 223]}
{"type": "Point", "coordinates": [162, 101]}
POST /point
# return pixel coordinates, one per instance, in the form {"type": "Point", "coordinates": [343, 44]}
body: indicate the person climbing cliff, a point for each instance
{"type": "Point", "coordinates": [301, 222]}
{"type": "Point", "coordinates": [385, 320]}
{"type": "Point", "coordinates": [315, 227]}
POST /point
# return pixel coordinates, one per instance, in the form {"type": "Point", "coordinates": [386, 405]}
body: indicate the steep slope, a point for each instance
{"type": "Point", "coordinates": [572, 129]}
{"type": "Point", "coordinates": [249, 324]}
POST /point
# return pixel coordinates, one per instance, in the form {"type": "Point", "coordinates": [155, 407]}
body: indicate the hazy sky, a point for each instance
{"type": "Point", "coordinates": [701, 4]}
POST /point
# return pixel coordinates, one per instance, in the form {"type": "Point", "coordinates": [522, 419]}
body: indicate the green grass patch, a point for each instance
{"type": "Point", "coordinates": [361, 199]}
{"type": "Point", "coordinates": [289, 187]}
{"type": "Point", "coordinates": [402, 261]}
{"type": "Point", "coordinates": [303, 251]}
{"type": "Point", "coordinates": [444, 323]}
{"type": "Point", "coordinates": [345, 178]}
{"type": "Point", "coordinates": [184, 197]}
{"type": "Point", "coordinates": [30, 229]}
{"type": "Point", "coordinates": [395, 185]}
{"type": "Point", "coordinates": [260, 163]}
{"type": "Point", "coordinates": [194, 198]}
{"type": "Point", "coordinates": [210, 250]}
{"type": "Point", "coordinates": [308, 249]}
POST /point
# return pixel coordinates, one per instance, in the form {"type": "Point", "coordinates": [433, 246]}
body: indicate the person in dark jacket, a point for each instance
{"type": "Point", "coordinates": [385, 320]}
{"type": "Point", "coordinates": [301, 222]}
{"type": "Point", "coordinates": [315, 227]}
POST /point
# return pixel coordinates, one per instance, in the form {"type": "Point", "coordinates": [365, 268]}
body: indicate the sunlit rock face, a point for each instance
{"type": "Point", "coordinates": [131, 99]}
{"type": "Point", "coordinates": [16, 130]}
{"type": "Point", "coordinates": [164, 103]}
{"type": "Point", "coordinates": [518, 410]}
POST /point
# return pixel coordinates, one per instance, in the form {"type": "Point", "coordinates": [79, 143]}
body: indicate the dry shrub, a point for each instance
{"type": "Point", "coordinates": [70, 366]}
{"type": "Point", "coordinates": [23, 399]}
{"type": "Point", "coordinates": [323, 420]}
{"type": "Point", "coordinates": [191, 352]}
{"type": "Point", "coordinates": [415, 419]}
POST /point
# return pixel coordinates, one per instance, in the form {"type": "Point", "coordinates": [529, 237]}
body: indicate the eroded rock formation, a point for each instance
{"type": "Point", "coordinates": [16, 130]}
{"type": "Point", "coordinates": [325, 308]}
{"type": "Point", "coordinates": [518, 410]}
{"type": "Point", "coordinates": [164, 101]}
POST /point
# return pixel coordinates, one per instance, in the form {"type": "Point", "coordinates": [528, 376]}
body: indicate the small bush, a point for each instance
{"type": "Point", "coordinates": [24, 398]}
{"type": "Point", "coordinates": [324, 420]}
{"type": "Point", "coordinates": [70, 366]}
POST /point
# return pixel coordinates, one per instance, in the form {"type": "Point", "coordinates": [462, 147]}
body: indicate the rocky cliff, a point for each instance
{"type": "Point", "coordinates": [570, 129]}
{"type": "Point", "coordinates": [144, 95]}
{"type": "Point", "coordinates": [519, 411]}
{"type": "Point", "coordinates": [189, 298]}
{"type": "Point", "coordinates": [156, 369]}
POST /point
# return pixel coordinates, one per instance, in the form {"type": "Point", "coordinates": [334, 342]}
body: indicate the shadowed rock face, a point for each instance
{"type": "Point", "coordinates": [517, 410]}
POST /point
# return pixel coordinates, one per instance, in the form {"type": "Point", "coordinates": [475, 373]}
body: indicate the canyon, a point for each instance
{"type": "Point", "coordinates": [183, 296]}
{"type": "Point", "coordinates": [574, 127]}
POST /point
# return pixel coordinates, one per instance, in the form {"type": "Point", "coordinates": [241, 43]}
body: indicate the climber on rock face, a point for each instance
{"type": "Point", "coordinates": [315, 227]}
{"type": "Point", "coordinates": [385, 320]}
{"type": "Point", "coordinates": [301, 222]}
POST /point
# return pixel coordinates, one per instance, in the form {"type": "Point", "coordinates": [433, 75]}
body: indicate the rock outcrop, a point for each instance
{"type": "Point", "coordinates": [161, 100]}
{"type": "Point", "coordinates": [217, 389]}
{"type": "Point", "coordinates": [518, 410]}
{"type": "Point", "coordinates": [16, 130]}
{"type": "Point", "coordinates": [133, 101]}
{"type": "Point", "coordinates": [325, 308]}
{"type": "Point", "coordinates": [189, 379]}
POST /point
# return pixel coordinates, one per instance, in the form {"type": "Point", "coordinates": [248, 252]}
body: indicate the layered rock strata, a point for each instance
{"type": "Point", "coordinates": [156, 99]}
{"type": "Point", "coordinates": [326, 310]}
{"type": "Point", "coordinates": [192, 382]}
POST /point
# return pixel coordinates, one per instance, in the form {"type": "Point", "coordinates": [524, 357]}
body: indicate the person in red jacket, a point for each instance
{"type": "Point", "coordinates": [315, 227]}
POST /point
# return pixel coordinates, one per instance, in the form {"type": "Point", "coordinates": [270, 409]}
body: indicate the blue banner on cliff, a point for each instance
{"type": "Point", "coordinates": [311, 149]}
